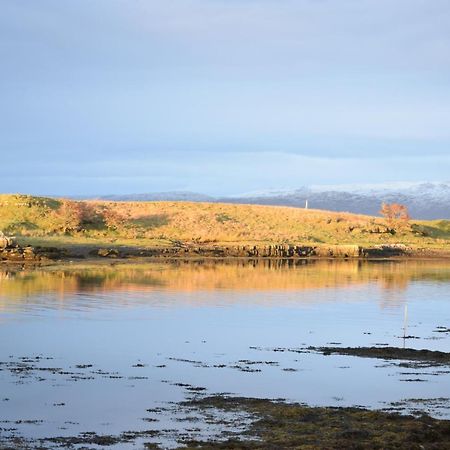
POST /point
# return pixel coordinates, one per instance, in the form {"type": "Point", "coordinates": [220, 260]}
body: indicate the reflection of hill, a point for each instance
{"type": "Point", "coordinates": [16, 287]}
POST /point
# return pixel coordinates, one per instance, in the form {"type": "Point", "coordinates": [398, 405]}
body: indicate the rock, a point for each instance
{"type": "Point", "coordinates": [108, 253]}
{"type": "Point", "coordinates": [6, 241]}
{"type": "Point", "coordinates": [386, 251]}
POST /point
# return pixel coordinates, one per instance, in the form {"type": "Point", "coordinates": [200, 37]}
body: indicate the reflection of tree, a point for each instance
{"type": "Point", "coordinates": [394, 286]}
{"type": "Point", "coordinates": [393, 277]}
{"type": "Point", "coordinates": [395, 281]}
{"type": "Point", "coordinates": [394, 296]}
{"type": "Point", "coordinates": [397, 277]}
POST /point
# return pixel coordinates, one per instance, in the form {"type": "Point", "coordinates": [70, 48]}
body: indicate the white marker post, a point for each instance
{"type": "Point", "coordinates": [405, 324]}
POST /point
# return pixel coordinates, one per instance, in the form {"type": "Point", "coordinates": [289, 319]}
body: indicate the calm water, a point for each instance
{"type": "Point", "coordinates": [93, 348]}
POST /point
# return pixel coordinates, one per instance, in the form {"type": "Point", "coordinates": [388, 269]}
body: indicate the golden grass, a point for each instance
{"type": "Point", "coordinates": [64, 222]}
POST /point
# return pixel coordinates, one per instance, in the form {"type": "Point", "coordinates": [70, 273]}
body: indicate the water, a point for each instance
{"type": "Point", "coordinates": [122, 339]}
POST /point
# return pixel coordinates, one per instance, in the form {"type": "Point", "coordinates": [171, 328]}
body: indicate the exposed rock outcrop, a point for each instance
{"type": "Point", "coordinates": [16, 253]}
{"type": "Point", "coordinates": [11, 251]}
{"type": "Point", "coordinates": [272, 251]}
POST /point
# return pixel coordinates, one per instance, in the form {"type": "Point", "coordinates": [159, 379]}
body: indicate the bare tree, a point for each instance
{"type": "Point", "coordinates": [396, 215]}
{"type": "Point", "coordinates": [71, 214]}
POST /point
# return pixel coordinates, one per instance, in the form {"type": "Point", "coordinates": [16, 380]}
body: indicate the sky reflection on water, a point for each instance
{"type": "Point", "coordinates": [194, 323]}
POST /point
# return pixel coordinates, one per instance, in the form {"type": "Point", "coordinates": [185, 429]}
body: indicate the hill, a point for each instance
{"type": "Point", "coordinates": [424, 200]}
{"type": "Point", "coordinates": [49, 221]}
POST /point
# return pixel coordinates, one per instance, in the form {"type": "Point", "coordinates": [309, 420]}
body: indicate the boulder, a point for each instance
{"type": "Point", "coordinates": [6, 241]}
{"type": "Point", "coordinates": [108, 253]}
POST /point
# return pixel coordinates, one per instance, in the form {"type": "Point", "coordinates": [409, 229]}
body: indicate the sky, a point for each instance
{"type": "Point", "coordinates": [221, 96]}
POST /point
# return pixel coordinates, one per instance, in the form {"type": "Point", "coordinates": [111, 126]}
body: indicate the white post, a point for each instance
{"type": "Point", "coordinates": [405, 325]}
{"type": "Point", "coordinates": [306, 204]}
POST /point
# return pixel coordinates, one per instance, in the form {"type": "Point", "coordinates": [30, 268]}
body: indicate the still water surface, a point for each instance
{"type": "Point", "coordinates": [121, 339]}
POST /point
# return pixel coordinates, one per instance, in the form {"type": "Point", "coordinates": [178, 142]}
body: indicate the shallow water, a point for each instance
{"type": "Point", "coordinates": [139, 331]}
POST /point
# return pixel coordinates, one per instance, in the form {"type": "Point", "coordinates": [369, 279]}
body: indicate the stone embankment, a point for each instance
{"type": "Point", "coordinates": [11, 251]}
{"type": "Point", "coordinates": [302, 251]}
{"type": "Point", "coordinates": [267, 251]}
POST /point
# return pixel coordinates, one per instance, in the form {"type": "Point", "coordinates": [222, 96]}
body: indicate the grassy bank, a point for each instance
{"type": "Point", "coordinates": [65, 223]}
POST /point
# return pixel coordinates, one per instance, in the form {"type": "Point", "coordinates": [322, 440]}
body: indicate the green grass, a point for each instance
{"type": "Point", "coordinates": [437, 229]}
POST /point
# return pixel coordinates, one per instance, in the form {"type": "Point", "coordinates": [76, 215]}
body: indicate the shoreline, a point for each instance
{"type": "Point", "coordinates": [29, 254]}
{"type": "Point", "coordinates": [99, 261]}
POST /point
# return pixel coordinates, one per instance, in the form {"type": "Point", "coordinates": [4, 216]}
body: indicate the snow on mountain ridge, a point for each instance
{"type": "Point", "coordinates": [424, 200]}
{"type": "Point", "coordinates": [362, 189]}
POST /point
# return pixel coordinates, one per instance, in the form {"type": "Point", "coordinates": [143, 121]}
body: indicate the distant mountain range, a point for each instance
{"type": "Point", "coordinates": [184, 196]}
{"type": "Point", "coordinates": [424, 200]}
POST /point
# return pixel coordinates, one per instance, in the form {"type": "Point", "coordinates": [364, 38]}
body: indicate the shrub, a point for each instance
{"type": "Point", "coordinates": [396, 215]}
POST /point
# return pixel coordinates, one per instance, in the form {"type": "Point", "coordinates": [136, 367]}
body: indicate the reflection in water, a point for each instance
{"type": "Point", "coordinates": [393, 277]}
{"type": "Point", "coordinates": [141, 335]}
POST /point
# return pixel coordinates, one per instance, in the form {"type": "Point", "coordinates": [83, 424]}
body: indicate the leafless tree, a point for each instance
{"type": "Point", "coordinates": [396, 215]}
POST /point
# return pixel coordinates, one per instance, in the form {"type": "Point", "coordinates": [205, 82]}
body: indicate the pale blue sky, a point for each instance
{"type": "Point", "coordinates": [222, 96]}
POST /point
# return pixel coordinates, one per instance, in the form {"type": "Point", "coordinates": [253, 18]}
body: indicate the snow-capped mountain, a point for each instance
{"type": "Point", "coordinates": [424, 200]}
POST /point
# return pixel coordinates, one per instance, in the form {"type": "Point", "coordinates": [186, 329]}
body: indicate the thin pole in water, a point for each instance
{"type": "Point", "coordinates": [405, 324]}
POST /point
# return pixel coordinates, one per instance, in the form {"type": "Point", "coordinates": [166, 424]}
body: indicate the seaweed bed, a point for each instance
{"type": "Point", "coordinates": [249, 423]}
{"type": "Point", "coordinates": [282, 425]}
{"type": "Point", "coordinates": [424, 357]}
{"type": "Point", "coordinates": [275, 424]}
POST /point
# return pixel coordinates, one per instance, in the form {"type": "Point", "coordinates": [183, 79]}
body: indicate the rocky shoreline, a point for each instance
{"type": "Point", "coordinates": [12, 252]}
{"type": "Point", "coordinates": [16, 253]}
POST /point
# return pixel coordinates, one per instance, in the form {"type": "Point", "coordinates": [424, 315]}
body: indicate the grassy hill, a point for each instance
{"type": "Point", "coordinates": [41, 220]}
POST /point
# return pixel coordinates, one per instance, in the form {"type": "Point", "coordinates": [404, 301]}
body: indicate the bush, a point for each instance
{"type": "Point", "coordinates": [396, 215]}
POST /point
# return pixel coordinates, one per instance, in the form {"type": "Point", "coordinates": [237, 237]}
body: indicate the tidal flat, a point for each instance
{"type": "Point", "coordinates": [226, 354]}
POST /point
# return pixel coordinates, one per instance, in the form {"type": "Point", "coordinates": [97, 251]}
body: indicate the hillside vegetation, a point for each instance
{"type": "Point", "coordinates": [57, 221]}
